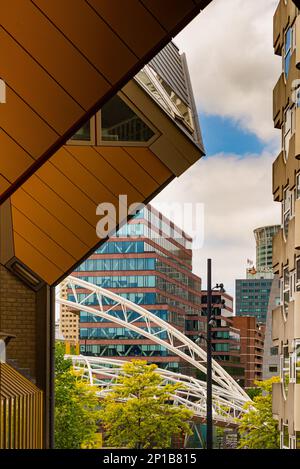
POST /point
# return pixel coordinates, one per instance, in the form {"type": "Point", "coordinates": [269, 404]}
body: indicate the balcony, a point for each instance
{"type": "Point", "coordinates": [279, 101]}
{"type": "Point", "coordinates": [278, 177]}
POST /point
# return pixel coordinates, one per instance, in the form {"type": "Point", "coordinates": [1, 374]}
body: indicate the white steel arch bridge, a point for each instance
{"type": "Point", "coordinates": [228, 397]}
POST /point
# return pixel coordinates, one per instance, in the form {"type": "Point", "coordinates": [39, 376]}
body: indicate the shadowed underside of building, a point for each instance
{"type": "Point", "coordinates": [61, 62]}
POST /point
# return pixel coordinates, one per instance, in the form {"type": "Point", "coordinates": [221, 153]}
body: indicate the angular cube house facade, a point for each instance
{"type": "Point", "coordinates": [286, 244]}
{"type": "Point", "coordinates": [60, 65]}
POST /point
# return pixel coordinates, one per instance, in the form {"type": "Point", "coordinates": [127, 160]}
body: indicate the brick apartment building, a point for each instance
{"type": "Point", "coordinates": [252, 347]}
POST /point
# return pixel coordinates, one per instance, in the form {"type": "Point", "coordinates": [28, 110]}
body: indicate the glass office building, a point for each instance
{"type": "Point", "coordinates": [252, 297]}
{"type": "Point", "coordinates": [149, 262]}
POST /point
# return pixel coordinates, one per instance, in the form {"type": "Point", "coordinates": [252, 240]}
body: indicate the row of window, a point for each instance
{"type": "Point", "coordinates": [120, 247]}
{"type": "Point", "coordinates": [166, 228]}
{"type": "Point", "coordinates": [116, 122]}
{"type": "Point", "coordinates": [95, 265]}
{"type": "Point", "coordinates": [137, 298]}
{"type": "Point", "coordinates": [131, 315]}
{"type": "Point", "coordinates": [123, 350]}
{"type": "Point", "coordinates": [122, 281]}
{"type": "Point", "coordinates": [91, 333]}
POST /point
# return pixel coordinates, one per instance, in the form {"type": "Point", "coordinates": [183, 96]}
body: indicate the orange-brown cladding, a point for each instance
{"type": "Point", "coordinates": [61, 60]}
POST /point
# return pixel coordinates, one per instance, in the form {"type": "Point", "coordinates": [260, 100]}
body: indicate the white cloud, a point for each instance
{"type": "Point", "coordinates": [232, 65]}
{"type": "Point", "coordinates": [237, 197]}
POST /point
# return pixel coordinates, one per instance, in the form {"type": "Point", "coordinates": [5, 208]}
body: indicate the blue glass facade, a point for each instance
{"type": "Point", "coordinates": [252, 297]}
{"type": "Point", "coordinates": [165, 286]}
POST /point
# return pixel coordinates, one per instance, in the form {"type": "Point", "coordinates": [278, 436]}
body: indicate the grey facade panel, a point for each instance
{"type": "Point", "coordinates": [168, 64]}
{"type": "Point", "coordinates": [270, 359]}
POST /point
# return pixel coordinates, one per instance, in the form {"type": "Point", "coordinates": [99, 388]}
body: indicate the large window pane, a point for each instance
{"type": "Point", "coordinates": [120, 123]}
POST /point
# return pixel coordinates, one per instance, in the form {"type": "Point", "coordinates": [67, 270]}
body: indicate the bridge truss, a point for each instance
{"type": "Point", "coordinates": [228, 396]}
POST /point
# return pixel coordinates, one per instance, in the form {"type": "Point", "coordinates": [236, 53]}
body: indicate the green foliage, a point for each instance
{"type": "Point", "coordinates": [76, 407]}
{"type": "Point", "coordinates": [257, 428]}
{"type": "Point", "coordinates": [253, 392]}
{"type": "Point", "coordinates": [146, 419]}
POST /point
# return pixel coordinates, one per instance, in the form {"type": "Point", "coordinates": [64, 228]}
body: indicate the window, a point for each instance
{"type": "Point", "coordinates": [286, 211]}
{"type": "Point", "coordinates": [285, 370]}
{"type": "Point", "coordinates": [289, 46]}
{"type": "Point", "coordinates": [285, 437]}
{"type": "Point", "coordinates": [286, 291]}
{"type": "Point", "coordinates": [120, 123]}
{"type": "Point", "coordinates": [85, 135]}
{"type": "Point", "coordinates": [298, 186]}
{"type": "Point", "coordinates": [274, 350]}
{"type": "Point", "coordinates": [298, 274]}
{"type": "Point", "coordinates": [273, 369]}
{"type": "Point", "coordinates": [286, 131]}
{"type": "Point", "coordinates": [292, 284]}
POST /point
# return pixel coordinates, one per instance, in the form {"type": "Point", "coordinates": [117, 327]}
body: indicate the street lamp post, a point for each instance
{"type": "Point", "coordinates": [209, 422]}
{"type": "Point", "coordinates": [210, 323]}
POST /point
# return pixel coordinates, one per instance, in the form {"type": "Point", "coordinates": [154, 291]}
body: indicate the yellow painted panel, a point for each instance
{"type": "Point", "coordinates": [13, 159]}
{"type": "Point", "coordinates": [81, 177]}
{"type": "Point", "coordinates": [114, 14]}
{"type": "Point", "coordinates": [36, 261]}
{"type": "Point", "coordinates": [26, 127]}
{"type": "Point", "coordinates": [4, 184]}
{"type": "Point", "coordinates": [41, 217]}
{"type": "Point", "coordinates": [60, 209]}
{"type": "Point", "coordinates": [40, 240]}
{"type": "Point", "coordinates": [91, 35]}
{"type": "Point", "coordinates": [65, 188]}
{"type": "Point", "coordinates": [46, 97]}
{"type": "Point", "coordinates": [134, 173]}
{"type": "Point", "coordinates": [103, 171]}
{"type": "Point", "coordinates": [41, 39]}
{"type": "Point", "coordinates": [145, 158]}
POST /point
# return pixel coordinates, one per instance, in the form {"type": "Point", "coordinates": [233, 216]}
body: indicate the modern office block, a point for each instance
{"type": "Point", "coordinates": [149, 262]}
{"type": "Point", "coordinates": [252, 297]}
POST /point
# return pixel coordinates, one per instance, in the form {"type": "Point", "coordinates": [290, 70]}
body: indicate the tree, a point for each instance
{"type": "Point", "coordinates": [138, 413]}
{"type": "Point", "coordinates": [257, 428]}
{"type": "Point", "coordinates": [77, 409]}
{"type": "Point", "coordinates": [253, 392]}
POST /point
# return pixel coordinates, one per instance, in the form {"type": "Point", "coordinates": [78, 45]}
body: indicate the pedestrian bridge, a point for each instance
{"type": "Point", "coordinates": [228, 397]}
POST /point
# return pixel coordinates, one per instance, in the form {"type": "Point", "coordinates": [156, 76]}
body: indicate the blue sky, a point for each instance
{"type": "Point", "coordinates": [222, 134]}
{"type": "Point", "coordinates": [233, 69]}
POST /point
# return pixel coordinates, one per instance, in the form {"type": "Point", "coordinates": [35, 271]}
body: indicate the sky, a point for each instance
{"type": "Point", "coordinates": [233, 71]}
